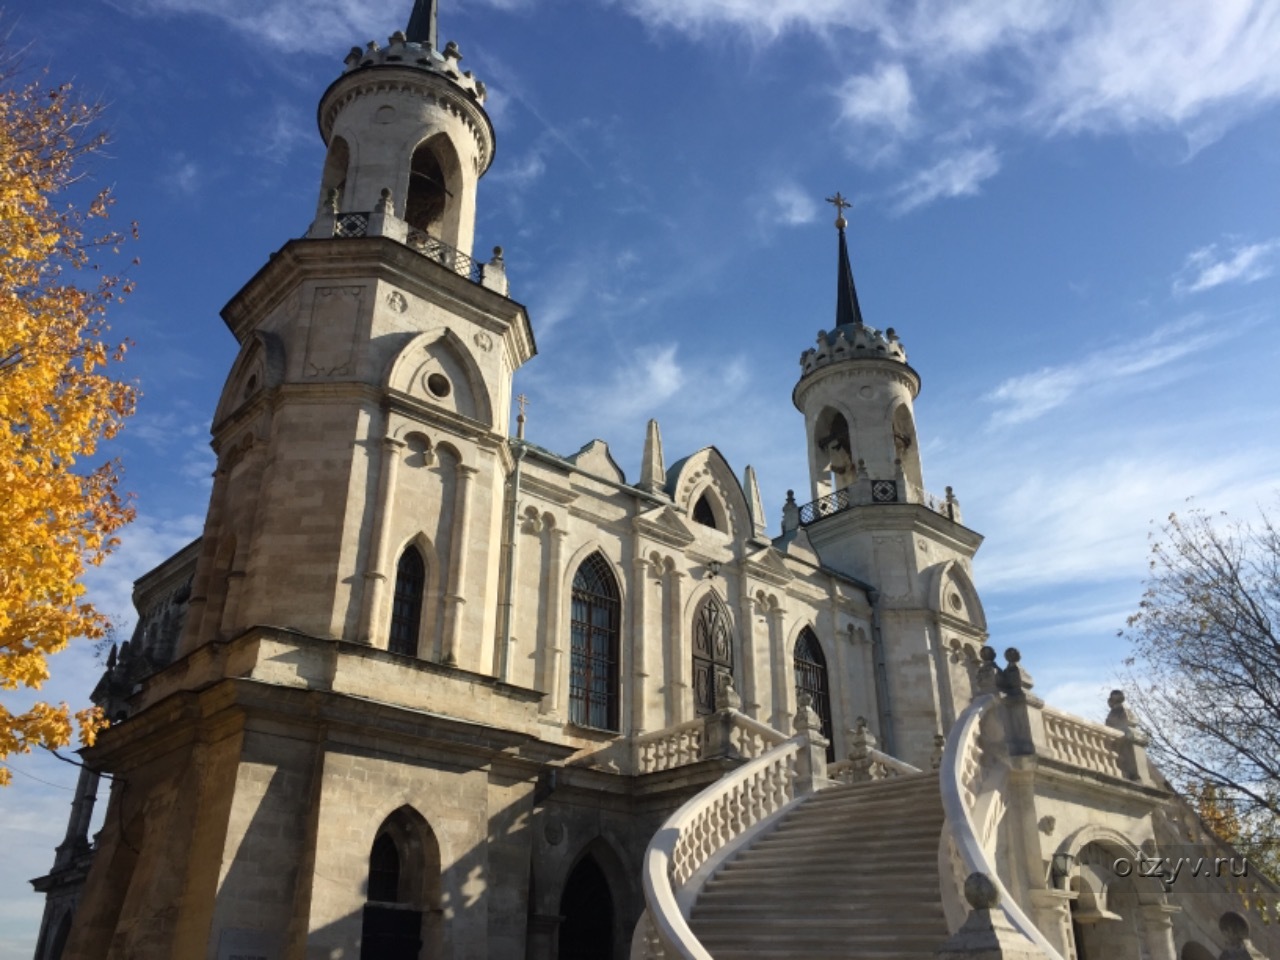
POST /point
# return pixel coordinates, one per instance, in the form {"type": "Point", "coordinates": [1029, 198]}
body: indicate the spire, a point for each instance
{"type": "Point", "coordinates": [653, 472]}
{"type": "Point", "coordinates": [848, 313]}
{"type": "Point", "coordinates": [422, 23]}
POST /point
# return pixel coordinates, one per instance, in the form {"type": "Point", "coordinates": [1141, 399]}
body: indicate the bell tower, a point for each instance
{"type": "Point", "coordinates": [405, 118]}
{"type": "Point", "coordinates": [871, 518]}
{"type": "Point", "coordinates": [364, 422]}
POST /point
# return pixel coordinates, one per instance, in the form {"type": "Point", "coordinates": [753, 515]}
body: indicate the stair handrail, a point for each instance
{"type": "Point", "coordinates": [960, 752]}
{"type": "Point", "coordinates": [705, 823]}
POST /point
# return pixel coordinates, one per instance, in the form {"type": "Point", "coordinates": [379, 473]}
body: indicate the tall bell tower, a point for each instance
{"type": "Point", "coordinates": [368, 406]}
{"type": "Point", "coordinates": [871, 518]}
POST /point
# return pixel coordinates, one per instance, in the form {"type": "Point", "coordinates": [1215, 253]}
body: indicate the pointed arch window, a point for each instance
{"type": "Point", "coordinates": [593, 665]}
{"type": "Point", "coordinates": [401, 918]}
{"type": "Point", "coordinates": [712, 653]}
{"type": "Point", "coordinates": [406, 605]}
{"type": "Point", "coordinates": [703, 512]}
{"type": "Point", "coordinates": [811, 678]}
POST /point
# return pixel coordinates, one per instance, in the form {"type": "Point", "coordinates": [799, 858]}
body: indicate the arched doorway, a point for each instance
{"type": "Point", "coordinates": [811, 678]}
{"type": "Point", "coordinates": [401, 916]}
{"type": "Point", "coordinates": [586, 906]}
{"type": "Point", "coordinates": [712, 653]}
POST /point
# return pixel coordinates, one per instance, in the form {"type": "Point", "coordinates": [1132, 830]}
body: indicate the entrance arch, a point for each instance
{"type": "Point", "coordinates": [589, 915]}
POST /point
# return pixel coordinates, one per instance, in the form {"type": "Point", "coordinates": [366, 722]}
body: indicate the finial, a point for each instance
{"type": "Point", "coordinates": [848, 313]}
{"type": "Point", "coordinates": [523, 401]}
{"type": "Point", "coordinates": [841, 205]}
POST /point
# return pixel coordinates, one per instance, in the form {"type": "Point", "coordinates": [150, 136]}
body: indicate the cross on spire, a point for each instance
{"type": "Point", "coordinates": [841, 205]}
{"type": "Point", "coordinates": [523, 402]}
{"type": "Point", "coordinates": [848, 312]}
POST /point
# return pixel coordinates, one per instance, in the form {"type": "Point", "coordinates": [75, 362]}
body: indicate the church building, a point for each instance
{"type": "Point", "coordinates": [424, 689]}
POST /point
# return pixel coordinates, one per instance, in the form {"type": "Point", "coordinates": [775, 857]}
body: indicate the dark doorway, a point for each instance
{"type": "Point", "coordinates": [391, 932]}
{"type": "Point", "coordinates": [712, 653]}
{"type": "Point", "coordinates": [586, 932]}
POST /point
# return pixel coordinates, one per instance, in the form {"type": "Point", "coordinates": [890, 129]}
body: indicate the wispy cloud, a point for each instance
{"type": "Point", "coordinates": [788, 205]}
{"type": "Point", "coordinates": [959, 175]}
{"type": "Point", "coordinates": [1214, 265]}
{"type": "Point", "coordinates": [881, 99]}
{"type": "Point", "coordinates": [1031, 395]}
{"type": "Point", "coordinates": [183, 176]}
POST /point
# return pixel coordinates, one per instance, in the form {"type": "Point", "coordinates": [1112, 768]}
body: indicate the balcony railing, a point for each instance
{"type": "Point", "coordinates": [870, 491]}
{"type": "Point", "coordinates": [436, 249]}
{"type": "Point", "coordinates": [347, 225]}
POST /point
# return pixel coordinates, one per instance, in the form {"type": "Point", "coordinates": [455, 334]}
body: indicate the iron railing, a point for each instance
{"type": "Point", "coordinates": [433, 248]}
{"type": "Point", "coordinates": [351, 225]}
{"type": "Point", "coordinates": [436, 249]}
{"type": "Point", "coordinates": [825, 506]}
{"type": "Point", "coordinates": [882, 491]}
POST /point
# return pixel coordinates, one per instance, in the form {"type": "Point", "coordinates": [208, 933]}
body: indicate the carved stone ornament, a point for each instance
{"type": "Point", "coordinates": [397, 302]}
{"type": "Point", "coordinates": [553, 831]}
{"type": "Point", "coordinates": [483, 341]}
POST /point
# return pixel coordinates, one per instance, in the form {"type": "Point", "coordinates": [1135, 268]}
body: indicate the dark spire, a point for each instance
{"type": "Point", "coordinates": [848, 313]}
{"type": "Point", "coordinates": [422, 23]}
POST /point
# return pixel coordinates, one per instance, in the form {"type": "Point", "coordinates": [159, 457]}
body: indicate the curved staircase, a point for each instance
{"type": "Point", "coordinates": [851, 871]}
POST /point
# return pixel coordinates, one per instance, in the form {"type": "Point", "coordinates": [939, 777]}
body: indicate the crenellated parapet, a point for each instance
{"type": "Point", "coordinates": [401, 52]}
{"type": "Point", "coordinates": [852, 342]}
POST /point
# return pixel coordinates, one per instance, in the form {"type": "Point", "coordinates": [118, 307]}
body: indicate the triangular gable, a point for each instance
{"type": "Point", "coordinates": [767, 565]}
{"type": "Point", "coordinates": [663, 525]}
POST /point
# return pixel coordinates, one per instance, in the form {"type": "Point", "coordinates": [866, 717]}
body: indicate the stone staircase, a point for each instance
{"type": "Point", "coordinates": [850, 872]}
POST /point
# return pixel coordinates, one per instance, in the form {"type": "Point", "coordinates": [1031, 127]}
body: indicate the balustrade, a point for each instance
{"type": "Point", "coordinates": [1083, 744]}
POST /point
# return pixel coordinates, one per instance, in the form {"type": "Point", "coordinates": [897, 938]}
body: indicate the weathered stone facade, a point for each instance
{"type": "Point", "coordinates": [423, 688]}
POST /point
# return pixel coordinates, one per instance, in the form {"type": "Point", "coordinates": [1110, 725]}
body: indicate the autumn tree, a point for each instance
{"type": "Point", "coordinates": [58, 398]}
{"type": "Point", "coordinates": [1206, 670]}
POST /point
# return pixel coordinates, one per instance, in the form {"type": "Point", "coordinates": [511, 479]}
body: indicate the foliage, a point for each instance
{"type": "Point", "coordinates": [57, 399]}
{"type": "Point", "coordinates": [1206, 660]}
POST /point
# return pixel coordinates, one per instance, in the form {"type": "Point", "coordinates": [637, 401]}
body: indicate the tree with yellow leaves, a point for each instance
{"type": "Point", "coordinates": [57, 400]}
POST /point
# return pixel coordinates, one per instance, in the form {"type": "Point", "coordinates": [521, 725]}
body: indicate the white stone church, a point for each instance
{"type": "Point", "coordinates": [426, 690]}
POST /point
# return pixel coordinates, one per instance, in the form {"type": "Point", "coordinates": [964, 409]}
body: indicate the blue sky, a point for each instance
{"type": "Point", "coordinates": [1069, 211]}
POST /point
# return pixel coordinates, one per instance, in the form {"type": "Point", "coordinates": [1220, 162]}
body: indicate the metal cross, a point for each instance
{"type": "Point", "coordinates": [523, 401]}
{"type": "Point", "coordinates": [840, 203]}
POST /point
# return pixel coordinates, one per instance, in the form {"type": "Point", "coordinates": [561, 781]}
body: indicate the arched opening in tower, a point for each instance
{"type": "Point", "coordinates": [834, 451]}
{"type": "Point", "coordinates": [428, 192]}
{"type": "Point", "coordinates": [333, 182]}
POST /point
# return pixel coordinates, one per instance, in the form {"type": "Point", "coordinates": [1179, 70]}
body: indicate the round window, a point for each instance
{"type": "Point", "coordinates": [439, 385]}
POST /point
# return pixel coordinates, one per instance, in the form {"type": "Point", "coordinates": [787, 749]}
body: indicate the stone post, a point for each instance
{"type": "Point", "coordinates": [322, 225]}
{"type": "Point", "coordinates": [1235, 929]}
{"type": "Point", "coordinates": [717, 732]}
{"type": "Point", "coordinates": [985, 933]}
{"type": "Point", "coordinates": [493, 275]}
{"type": "Point", "coordinates": [76, 840]}
{"type": "Point", "coordinates": [383, 222]}
{"type": "Point", "coordinates": [1133, 751]}
{"type": "Point", "coordinates": [1024, 709]}
{"type": "Point", "coordinates": [811, 763]}
{"type": "Point", "coordinates": [861, 742]}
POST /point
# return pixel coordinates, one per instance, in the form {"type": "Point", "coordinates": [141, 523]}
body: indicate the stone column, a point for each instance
{"type": "Point", "coordinates": [746, 616]}
{"type": "Point", "coordinates": [1051, 912]}
{"type": "Point", "coordinates": [455, 598]}
{"type": "Point", "coordinates": [552, 680]}
{"type": "Point", "coordinates": [679, 682]}
{"type": "Point", "coordinates": [375, 579]}
{"type": "Point", "coordinates": [811, 761]}
{"type": "Point", "coordinates": [639, 652]}
{"type": "Point", "coordinates": [1157, 920]}
{"type": "Point", "coordinates": [778, 657]}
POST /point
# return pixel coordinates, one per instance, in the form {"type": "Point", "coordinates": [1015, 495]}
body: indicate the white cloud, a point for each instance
{"type": "Point", "coordinates": [1213, 266]}
{"type": "Point", "coordinates": [882, 99]}
{"type": "Point", "coordinates": [521, 172]}
{"type": "Point", "coordinates": [959, 175]}
{"type": "Point", "coordinates": [789, 206]}
{"type": "Point", "coordinates": [183, 177]}
{"type": "Point", "coordinates": [1031, 395]}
